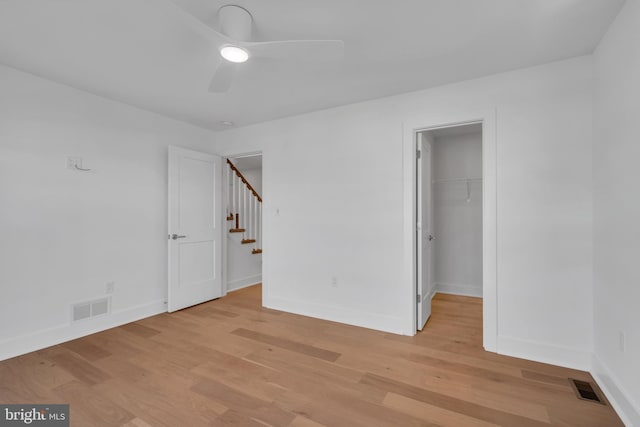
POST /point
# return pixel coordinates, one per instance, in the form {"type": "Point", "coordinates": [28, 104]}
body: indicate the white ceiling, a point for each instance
{"type": "Point", "coordinates": [143, 53]}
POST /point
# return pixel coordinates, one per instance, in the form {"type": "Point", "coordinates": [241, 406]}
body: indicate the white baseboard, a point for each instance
{"type": "Point", "coordinates": [628, 411]}
{"type": "Point", "coordinates": [544, 353]}
{"type": "Point", "coordinates": [58, 334]}
{"type": "Point", "coordinates": [234, 285]}
{"type": "Point", "coordinates": [348, 316]}
{"type": "Point", "coordinates": [454, 289]}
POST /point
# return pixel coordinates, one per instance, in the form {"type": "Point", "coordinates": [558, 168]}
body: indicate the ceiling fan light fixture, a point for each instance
{"type": "Point", "coordinates": [234, 54]}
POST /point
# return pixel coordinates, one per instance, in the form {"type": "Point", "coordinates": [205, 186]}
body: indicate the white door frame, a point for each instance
{"type": "Point", "coordinates": [489, 214]}
{"type": "Point", "coordinates": [225, 183]}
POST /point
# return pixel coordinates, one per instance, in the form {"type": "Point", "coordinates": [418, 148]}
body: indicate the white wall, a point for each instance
{"type": "Point", "coordinates": [458, 223]}
{"type": "Point", "coordinates": [65, 234]}
{"type": "Point", "coordinates": [243, 267]}
{"type": "Point", "coordinates": [617, 210]}
{"type": "Point", "coordinates": [334, 207]}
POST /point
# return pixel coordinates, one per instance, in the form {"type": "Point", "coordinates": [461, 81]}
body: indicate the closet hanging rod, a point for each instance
{"type": "Point", "coordinates": [437, 181]}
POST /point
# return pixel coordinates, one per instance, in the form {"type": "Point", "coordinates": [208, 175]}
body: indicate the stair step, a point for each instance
{"type": "Point", "coordinates": [237, 230]}
{"type": "Point", "coordinates": [245, 241]}
{"type": "Point", "coordinates": [256, 251]}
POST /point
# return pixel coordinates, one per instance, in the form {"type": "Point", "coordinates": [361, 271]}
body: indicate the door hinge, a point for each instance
{"type": "Point", "coordinates": [419, 298]}
{"type": "Point", "coordinates": [418, 154]}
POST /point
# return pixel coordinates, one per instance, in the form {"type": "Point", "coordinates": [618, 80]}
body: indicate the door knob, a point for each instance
{"type": "Point", "coordinates": [176, 237]}
{"type": "Point", "coordinates": [430, 237]}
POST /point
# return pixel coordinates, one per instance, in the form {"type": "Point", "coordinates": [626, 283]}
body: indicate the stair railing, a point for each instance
{"type": "Point", "coordinates": [244, 208]}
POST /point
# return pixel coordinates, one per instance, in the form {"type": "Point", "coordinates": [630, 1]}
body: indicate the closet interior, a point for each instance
{"type": "Point", "coordinates": [456, 195]}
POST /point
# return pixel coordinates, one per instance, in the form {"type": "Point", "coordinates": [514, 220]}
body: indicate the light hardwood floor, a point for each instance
{"type": "Point", "coordinates": [231, 362]}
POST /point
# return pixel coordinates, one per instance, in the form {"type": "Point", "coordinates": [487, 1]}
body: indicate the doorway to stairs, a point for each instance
{"type": "Point", "coordinates": [243, 240]}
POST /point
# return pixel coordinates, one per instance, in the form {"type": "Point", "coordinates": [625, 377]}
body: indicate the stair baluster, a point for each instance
{"type": "Point", "coordinates": [255, 221]}
{"type": "Point", "coordinates": [239, 207]}
{"type": "Point", "coordinates": [230, 188]}
{"type": "Point", "coordinates": [244, 207]}
{"type": "Point", "coordinates": [250, 225]}
{"type": "Point", "coordinates": [228, 195]}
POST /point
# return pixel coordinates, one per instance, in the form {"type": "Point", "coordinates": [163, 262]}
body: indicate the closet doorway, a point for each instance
{"type": "Point", "coordinates": [413, 128]}
{"type": "Point", "coordinates": [449, 214]}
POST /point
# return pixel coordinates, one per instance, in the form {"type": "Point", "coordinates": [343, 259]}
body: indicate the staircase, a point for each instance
{"type": "Point", "coordinates": [244, 209]}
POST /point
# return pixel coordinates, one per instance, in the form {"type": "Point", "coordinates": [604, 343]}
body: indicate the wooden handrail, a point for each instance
{"type": "Point", "coordinates": [244, 180]}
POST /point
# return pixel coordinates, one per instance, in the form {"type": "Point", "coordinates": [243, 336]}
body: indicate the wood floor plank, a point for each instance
{"type": "Point", "coordinates": [31, 378]}
{"type": "Point", "coordinates": [335, 386]}
{"type": "Point", "coordinates": [251, 407]}
{"type": "Point", "coordinates": [232, 362]}
{"type": "Point", "coordinates": [79, 368]}
{"type": "Point", "coordinates": [111, 341]}
{"type": "Point", "coordinates": [300, 421]}
{"type": "Point", "coordinates": [450, 403]}
{"type": "Point", "coordinates": [475, 391]}
{"type": "Point", "coordinates": [547, 379]}
{"type": "Point", "coordinates": [205, 310]}
{"type": "Point", "coordinates": [538, 390]}
{"type": "Point", "coordinates": [140, 330]}
{"type": "Point", "coordinates": [162, 403]}
{"type": "Point", "coordinates": [337, 409]}
{"type": "Point", "coordinates": [95, 408]}
{"type": "Point", "coordinates": [246, 376]}
{"type": "Point", "coordinates": [454, 345]}
{"type": "Point", "coordinates": [313, 377]}
{"type": "Point", "coordinates": [436, 414]}
{"type": "Point", "coordinates": [236, 418]}
{"type": "Point", "coordinates": [308, 350]}
{"type": "Point", "coordinates": [86, 349]}
{"type": "Point", "coordinates": [137, 422]}
{"type": "Point", "coordinates": [117, 367]}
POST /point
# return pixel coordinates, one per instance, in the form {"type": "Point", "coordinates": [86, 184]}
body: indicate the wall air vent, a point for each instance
{"type": "Point", "coordinates": [88, 309]}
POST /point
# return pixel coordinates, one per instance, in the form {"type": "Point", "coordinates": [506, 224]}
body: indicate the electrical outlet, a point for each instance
{"type": "Point", "coordinates": [110, 287]}
{"type": "Point", "coordinates": [334, 281]}
{"type": "Point", "coordinates": [623, 339]}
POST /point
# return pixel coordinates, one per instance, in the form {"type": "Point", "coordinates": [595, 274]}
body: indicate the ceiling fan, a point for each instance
{"type": "Point", "coordinates": [235, 48]}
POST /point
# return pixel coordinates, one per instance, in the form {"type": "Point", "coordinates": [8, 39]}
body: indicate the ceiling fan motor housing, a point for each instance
{"type": "Point", "coordinates": [235, 22]}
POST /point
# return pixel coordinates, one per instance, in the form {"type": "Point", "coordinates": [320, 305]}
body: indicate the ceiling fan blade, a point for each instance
{"type": "Point", "coordinates": [296, 49]}
{"type": "Point", "coordinates": [200, 27]}
{"type": "Point", "coordinates": [223, 78]}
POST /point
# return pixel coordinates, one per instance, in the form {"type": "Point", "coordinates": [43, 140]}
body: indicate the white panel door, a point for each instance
{"type": "Point", "coordinates": [195, 228]}
{"type": "Point", "coordinates": [424, 231]}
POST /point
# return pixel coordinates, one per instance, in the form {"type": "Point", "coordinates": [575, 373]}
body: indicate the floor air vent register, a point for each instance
{"type": "Point", "coordinates": [586, 391]}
